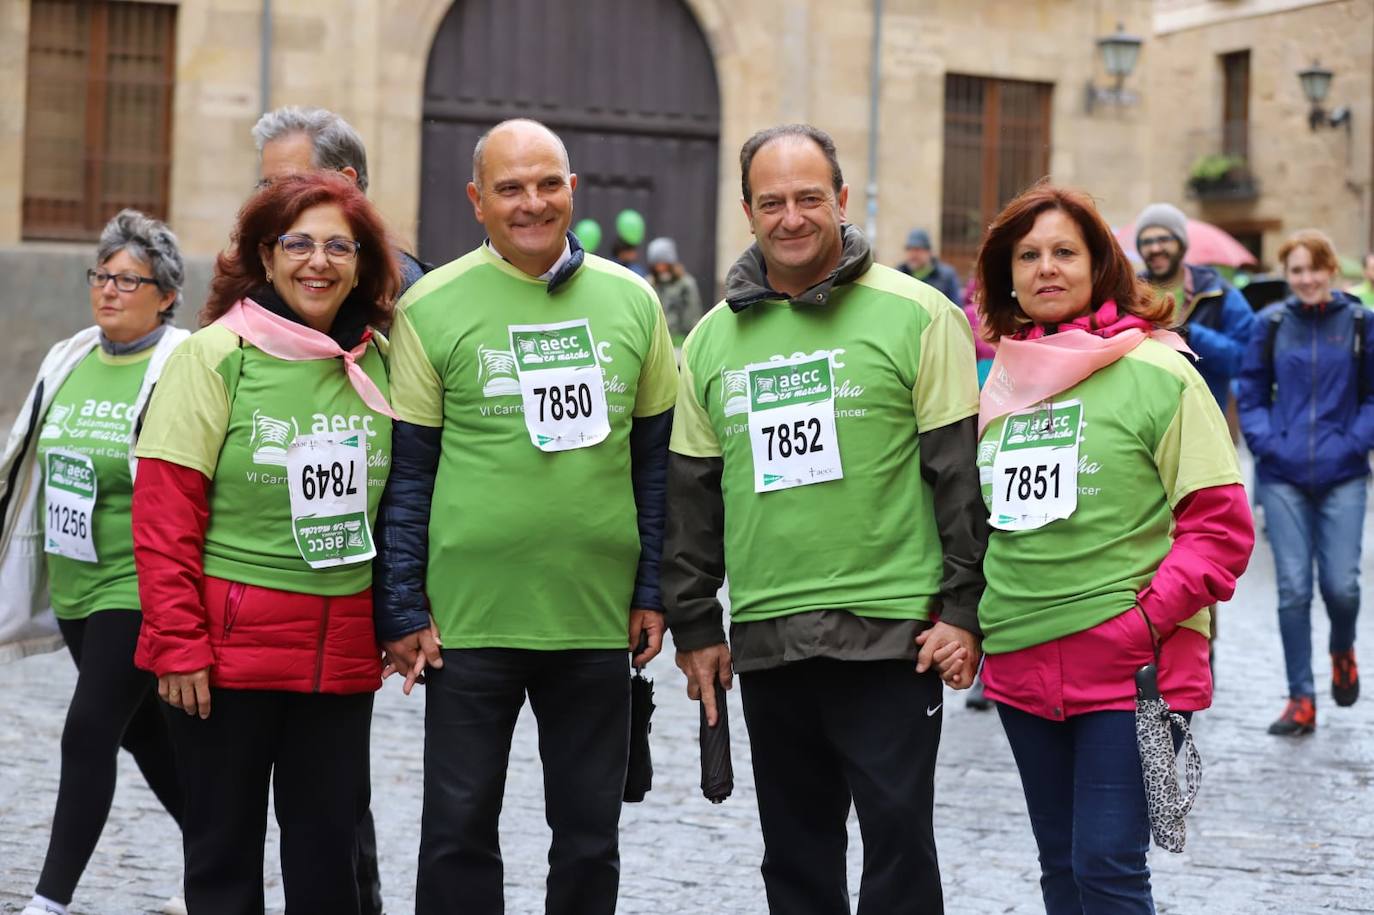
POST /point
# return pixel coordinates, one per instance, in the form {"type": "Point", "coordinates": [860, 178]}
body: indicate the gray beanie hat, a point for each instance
{"type": "Point", "coordinates": [918, 238]}
{"type": "Point", "coordinates": [1166, 216]}
{"type": "Point", "coordinates": [661, 251]}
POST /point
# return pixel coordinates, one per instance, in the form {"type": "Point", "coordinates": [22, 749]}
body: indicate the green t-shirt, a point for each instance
{"type": "Point", "coordinates": [1150, 434]}
{"type": "Point", "coordinates": [527, 548]}
{"type": "Point", "coordinates": [229, 410]}
{"type": "Point", "coordinates": [901, 358]}
{"type": "Point", "coordinates": [92, 414]}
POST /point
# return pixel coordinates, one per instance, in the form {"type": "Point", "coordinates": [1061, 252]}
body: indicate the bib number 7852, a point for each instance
{"type": "Point", "coordinates": [801, 436]}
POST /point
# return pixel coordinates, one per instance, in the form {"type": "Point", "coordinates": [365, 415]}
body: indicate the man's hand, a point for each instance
{"type": "Point", "coordinates": [705, 667]}
{"type": "Point", "coordinates": [650, 624]}
{"type": "Point", "coordinates": [411, 654]}
{"type": "Point", "coordinates": [189, 692]}
{"type": "Point", "coordinates": [953, 651]}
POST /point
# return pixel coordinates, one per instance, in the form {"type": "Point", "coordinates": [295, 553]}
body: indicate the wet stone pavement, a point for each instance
{"type": "Point", "coordinates": [1281, 826]}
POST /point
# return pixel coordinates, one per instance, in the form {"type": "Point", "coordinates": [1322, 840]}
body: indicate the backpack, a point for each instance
{"type": "Point", "coordinates": [1356, 344]}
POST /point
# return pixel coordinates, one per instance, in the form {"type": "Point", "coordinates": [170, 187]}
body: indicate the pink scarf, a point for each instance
{"type": "Point", "coordinates": [284, 339]}
{"type": "Point", "coordinates": [1034, 366]}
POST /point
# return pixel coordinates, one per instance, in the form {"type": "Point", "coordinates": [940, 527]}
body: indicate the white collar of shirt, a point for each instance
{"type": "Point", "coordinates": [547, 274]}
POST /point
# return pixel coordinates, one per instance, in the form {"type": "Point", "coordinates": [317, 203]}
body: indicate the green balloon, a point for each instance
{"type": "Point", "coordinates": [629, 225]}
{"type": "Point", "coordinates": [588, 232]}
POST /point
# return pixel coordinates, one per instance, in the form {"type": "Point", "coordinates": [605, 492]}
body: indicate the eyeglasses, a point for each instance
{"type": "Point", "coordinates": [1156, 241]}
{"type": "Point", "coordinates": [124, 282]}
{"type": "Point", "coordinates": [300, 247]}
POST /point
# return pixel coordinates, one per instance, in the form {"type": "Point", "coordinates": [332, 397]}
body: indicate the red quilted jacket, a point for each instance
{"type": "Point", "coordinates": [250, 637]}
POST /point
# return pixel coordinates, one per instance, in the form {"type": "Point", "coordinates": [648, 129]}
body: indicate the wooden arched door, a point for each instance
{"type": "Point", "coordinates": [629, 85]}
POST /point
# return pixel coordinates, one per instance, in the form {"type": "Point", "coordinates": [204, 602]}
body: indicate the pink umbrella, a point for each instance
{"type": "Point", "coordinates": [1207, 244]}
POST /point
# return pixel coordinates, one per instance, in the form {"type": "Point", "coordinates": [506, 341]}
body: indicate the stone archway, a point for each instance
{"type": "Point", "coordinates": [629, 85]}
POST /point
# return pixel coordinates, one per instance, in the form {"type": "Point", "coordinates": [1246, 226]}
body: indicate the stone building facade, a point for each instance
{"type": "Point", "coordinates": [1293, 175]}
{"type": "Point", "coordinates": [974, 99]}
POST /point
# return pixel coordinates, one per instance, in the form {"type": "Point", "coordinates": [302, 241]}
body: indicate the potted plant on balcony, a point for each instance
{"type": "Point", "coordinates": [1221, 176]}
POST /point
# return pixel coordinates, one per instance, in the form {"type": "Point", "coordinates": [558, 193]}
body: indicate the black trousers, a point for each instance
{"type": "Point", "coordinates": [823, 732]}
{"type": "Point", "coordinates": [581, 701]}
{"type": "Point", "coordinates": [114, 705]}
{"type": "Point", "coordinates": [313, 749]}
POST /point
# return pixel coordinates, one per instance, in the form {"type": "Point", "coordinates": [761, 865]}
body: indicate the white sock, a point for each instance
{"type": "Point", "coordinates": [47, 905]}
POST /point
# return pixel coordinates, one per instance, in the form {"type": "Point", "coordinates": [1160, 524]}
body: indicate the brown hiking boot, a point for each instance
{"type": "Point", "coordinates": [1345, 677]}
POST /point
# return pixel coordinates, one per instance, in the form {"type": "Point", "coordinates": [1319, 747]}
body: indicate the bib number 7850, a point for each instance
{"type": "Point", "coordinates": [568, 401]}
{"type": "Point", "coordinates": [802, 436]}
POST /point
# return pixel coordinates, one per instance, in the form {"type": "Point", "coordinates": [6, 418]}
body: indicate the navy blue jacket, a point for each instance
{"type": "Point", "coordinates": [400, 606]}
{"type": "Point", "coordinates": [941, 276]}
{"type": "Point", "coordinates": [1218, 324]}
{"type": "Point", "coordinates": [1307, 415]}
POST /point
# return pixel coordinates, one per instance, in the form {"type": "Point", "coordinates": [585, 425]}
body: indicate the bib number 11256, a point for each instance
{"type": "Point", "coordinates": [69, 487]}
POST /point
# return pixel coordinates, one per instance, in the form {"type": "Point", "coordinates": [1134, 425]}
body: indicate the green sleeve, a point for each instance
{"type": "Point", "coordinates": [693, 434]}
{"type": "Point", "coordinates": [188, 415]}
{"type": "Point", "coordinates": [658, 376]}
{"type": "Point", "coordinates": [946, 388]}
{"type": "Point", "coordinates": [417, 391]}
{"type": "Point", "coordinates": [1195, 452]}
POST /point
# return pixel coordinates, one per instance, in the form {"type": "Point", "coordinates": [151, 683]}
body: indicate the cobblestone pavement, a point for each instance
{"type": "Point", "coordinates": [1282, 826]}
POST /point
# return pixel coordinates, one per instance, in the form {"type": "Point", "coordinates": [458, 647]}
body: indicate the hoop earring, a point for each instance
{"type": "Point", "coordinates": [269, 278]}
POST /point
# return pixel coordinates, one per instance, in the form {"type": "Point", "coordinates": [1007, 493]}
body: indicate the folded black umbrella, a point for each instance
{"type": "Point", "coordinates": [639, 776]}
{"type": "Point", "coordinates": [717, 773]}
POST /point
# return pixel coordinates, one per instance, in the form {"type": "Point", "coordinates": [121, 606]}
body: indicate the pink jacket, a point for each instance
{"type": "Point", "coordinates": [1094, 670]}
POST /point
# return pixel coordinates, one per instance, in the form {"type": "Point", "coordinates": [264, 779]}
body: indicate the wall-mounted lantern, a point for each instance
{"type": "Point", "coordinates": [1316, 83]}
{"type": "Point", "coordinates": [1119, 54]}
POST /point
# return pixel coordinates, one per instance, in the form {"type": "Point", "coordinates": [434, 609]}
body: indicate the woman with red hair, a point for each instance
{"type": "Point", "coordinates": [264, 454]}
{"type": "Point", "coordinates": [1118, 517]}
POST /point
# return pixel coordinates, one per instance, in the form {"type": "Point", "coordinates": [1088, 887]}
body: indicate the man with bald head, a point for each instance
{"type": "Point", "coordinates": [520, 535]}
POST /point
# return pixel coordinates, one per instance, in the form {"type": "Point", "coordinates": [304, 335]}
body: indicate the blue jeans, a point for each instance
{"type": "Point", "coordinates": [1086, 797]}
{"type": "Point", "coordinates": [1325, 526]}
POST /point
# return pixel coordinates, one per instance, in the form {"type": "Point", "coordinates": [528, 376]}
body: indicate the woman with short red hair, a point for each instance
{"type": "Point", "coordinates": [1118, 517]}
{"type": "Point", "coordinates": [1306, 400]}
{"type": "Point", "coordinates": [264, 454]}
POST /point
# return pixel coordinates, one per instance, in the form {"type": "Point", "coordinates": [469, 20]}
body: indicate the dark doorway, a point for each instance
{"type": "Point", "coordinates": [629, 85]}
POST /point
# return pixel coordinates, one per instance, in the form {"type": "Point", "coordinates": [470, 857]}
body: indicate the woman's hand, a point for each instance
{"type": "Point", "coordinates": [188, 692]}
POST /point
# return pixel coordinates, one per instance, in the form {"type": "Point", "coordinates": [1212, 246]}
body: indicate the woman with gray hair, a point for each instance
{"type": "Point", "coordinates": [66, 485]}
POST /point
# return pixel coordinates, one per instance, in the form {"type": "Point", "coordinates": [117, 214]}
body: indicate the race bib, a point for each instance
{"type": "Point", "coordinates": [327, 480]}
{"type": "Point", "coordinates": [69, 487]}
{"type": "Point", "coordinates": [792, 423]}
{"type": "Point", "coordinates": [561, 385]}
{"type": "Point", "coordinates": [1035, 473]}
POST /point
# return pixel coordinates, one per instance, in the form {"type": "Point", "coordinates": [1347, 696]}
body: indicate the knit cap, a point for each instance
{"type": "Point", "coordinates": [661, 251]}
{"type": "Point", "coordinates": [1166, 216]}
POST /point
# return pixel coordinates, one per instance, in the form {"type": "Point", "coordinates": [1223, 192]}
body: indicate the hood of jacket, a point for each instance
{"type": "Point", "coordinates": [747, 282]}
{"type": "Point", "coordinates": [1339, 302]}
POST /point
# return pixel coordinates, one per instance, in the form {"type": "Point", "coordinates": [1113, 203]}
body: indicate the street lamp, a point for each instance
{"type": "Point", "coordinates": [1316, 83]}
{"type": "Point", "coordinates": [1119, 54]}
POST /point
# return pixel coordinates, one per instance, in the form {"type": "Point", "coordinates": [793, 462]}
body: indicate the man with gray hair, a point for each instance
{"type": "Point", "coordinates": [295, 139]}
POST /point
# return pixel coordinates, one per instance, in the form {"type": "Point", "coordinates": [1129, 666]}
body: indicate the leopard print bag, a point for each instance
{"type": "Point", "coordinates": [1168, 801]}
